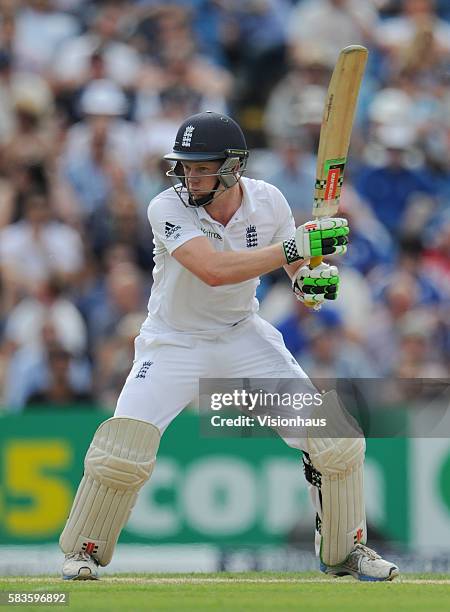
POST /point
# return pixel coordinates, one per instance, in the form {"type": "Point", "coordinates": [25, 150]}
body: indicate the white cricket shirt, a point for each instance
{"type": "Point", "coordinates": [181, 301]}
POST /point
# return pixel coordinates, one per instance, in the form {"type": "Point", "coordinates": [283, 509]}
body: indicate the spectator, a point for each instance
{"type": "Point", "coordinates": [31, 131]}
{"type": "Point", "coordinates": [37, 249]}
{"type": "Point", "coordinates": [294, 325]}
{"type": "Point", "coordinates": [122, 226]}
{"type": "Point", "coordinates": [7, 120]}
{"type": "Point", "coordinates": [40, 31]}
{"type": "Point", "coordinates": [176, 66]}
{"type": "Point", "coordinates": [47, 304]}
{"type": "Point", "coordinates": [391, 187]}
{"type": "Point", "coordinates": [417, 355]}
{"type": "Point", "coordinates": [7, 26]}
{"type": "Point", "coordinates": [371, 245]}
{"type": "Point", "coordinates": [297, 101]}
{"type": "Point", "coordinates": [356, 300]}
{"type": "Point", "coordinates": [113, 357]}
{"type": "Point", "coordinates": [103, 105]}
{"type": "Point", "coordinates": [59, 391]}
{"type": "Point", "coordinates": [330, 354]}
{"type": "Point", "coordinates": [125, 295]}
{"type": "Point", "coordinates": [28, 372]}
{"type": "Point", "coordinates": [436, 257]}
{"type": "Point", "coordinates": [418, 18]}
{"type": "Point", "coordinates": [331, 24]}
{"type": "Point", "coordinates": [401, 296]}
{"type": "Point", "coordinates": [99, 53]}
{"type": "Point", "coordinates": [293, 171]}
{"type": "Point", "coordinates": [256, 37]}
{"type": "Point", "coordinates": [102, 154]}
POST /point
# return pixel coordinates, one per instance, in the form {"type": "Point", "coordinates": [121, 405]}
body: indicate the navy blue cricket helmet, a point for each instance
{"type": "Point", "coordinates": [208, 136]}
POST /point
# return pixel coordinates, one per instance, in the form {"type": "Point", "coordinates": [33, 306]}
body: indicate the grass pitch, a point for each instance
{"type": "Point", "coordinates": [239, 592]}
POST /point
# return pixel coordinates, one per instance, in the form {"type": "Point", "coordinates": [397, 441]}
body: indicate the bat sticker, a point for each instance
{"type": "Point", "coordinates": [335, 177]}
{"type": "Point", "coordinates": [331, 185]}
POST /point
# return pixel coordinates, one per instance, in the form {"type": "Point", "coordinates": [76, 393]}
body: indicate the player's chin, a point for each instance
{"type": "Point", "coordinates": [198, 195]}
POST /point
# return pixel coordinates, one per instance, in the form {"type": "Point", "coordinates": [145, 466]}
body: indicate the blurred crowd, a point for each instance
{"type": "Point", "coordinates": [91, 95]}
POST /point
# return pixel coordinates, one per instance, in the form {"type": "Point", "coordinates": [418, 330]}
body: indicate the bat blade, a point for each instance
{"type": "Point", "coordinates": [336, 131]}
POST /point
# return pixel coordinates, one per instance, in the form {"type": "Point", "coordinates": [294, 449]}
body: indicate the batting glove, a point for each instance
{"type": "Point", "coordinates": [313, 287]}
{"type": "Point", "coordinates": [327, 236]}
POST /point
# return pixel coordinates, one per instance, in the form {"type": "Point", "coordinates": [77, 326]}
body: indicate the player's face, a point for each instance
{"type": "Point", "coordinates": [200, 177]}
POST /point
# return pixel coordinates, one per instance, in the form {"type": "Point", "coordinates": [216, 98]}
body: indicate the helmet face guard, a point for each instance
{"type": "Point", "coordinates": [228, 174]}
{"type": "Point", "coordinates": [208, 137]}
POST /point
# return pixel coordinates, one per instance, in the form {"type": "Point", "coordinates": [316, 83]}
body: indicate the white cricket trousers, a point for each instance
{"type": "Point", "coordinates": [167, 367]}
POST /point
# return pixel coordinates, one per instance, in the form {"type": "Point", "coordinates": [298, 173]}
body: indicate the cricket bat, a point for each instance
{"type": "Point", "coordinates": [336, 130]}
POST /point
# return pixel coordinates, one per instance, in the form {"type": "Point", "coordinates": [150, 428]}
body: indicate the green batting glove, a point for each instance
{"type": "Point", "coordinates": [327, 236]}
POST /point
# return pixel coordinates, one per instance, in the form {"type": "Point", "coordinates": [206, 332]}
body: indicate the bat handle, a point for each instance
{"type": "Point", "coordinates": [315, 261]}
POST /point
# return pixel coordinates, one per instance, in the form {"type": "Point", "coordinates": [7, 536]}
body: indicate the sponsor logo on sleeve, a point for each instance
{"type": "Point", "coordinates": [171, 231]}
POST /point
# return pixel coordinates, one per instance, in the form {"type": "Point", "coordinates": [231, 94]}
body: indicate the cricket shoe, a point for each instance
{"type": "Point", "coordinates": [79, 566]}
{"type": "Point", "coordinates": [363, 563]}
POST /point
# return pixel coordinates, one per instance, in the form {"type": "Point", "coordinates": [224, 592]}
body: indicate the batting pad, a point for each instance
{"type": "Point", "coordinates": [338, 466]}
{"type": "Point", "coordinates": [119, 461]}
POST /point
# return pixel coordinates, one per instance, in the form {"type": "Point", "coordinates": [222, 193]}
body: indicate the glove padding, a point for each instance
{"type": "Point", "coordinates": [313, 287]}
{"type": "Point", "coordinates": [327, 236]}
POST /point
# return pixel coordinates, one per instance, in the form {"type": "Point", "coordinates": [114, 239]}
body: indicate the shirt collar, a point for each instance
{"type": "Point", "coordinates": [244, 211]}
{"type": "Point", "coordinates": [247, 206]}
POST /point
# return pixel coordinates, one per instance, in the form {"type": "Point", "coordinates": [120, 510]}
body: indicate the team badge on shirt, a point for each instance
{"type": "Point", "coordinates": [251, 236]}
{"type": "Point", "coordinates": [142, 373]}
{"type": "Point", "coordinates": [170, 230]}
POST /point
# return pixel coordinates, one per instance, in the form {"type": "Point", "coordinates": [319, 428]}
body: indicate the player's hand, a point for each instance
{"type": "Point", "coordinates": [327, 236]}
{"type": "Point", "coordinates": [313, 287]}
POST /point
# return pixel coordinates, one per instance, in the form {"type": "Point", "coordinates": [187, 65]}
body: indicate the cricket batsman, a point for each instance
{"type": "Point", "coordinates": [215, 232]}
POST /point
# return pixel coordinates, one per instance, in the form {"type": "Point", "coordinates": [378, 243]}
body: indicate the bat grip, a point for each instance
{"type": "Point", "coordinates": [315, 261]}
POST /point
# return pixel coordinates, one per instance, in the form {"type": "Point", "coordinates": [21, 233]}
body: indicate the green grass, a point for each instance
{"type": "Point", "coordinates": [240, 592]}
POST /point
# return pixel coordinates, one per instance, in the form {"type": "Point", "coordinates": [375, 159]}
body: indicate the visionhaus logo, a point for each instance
{"type": "Point", "coordinates": [247, 401]}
